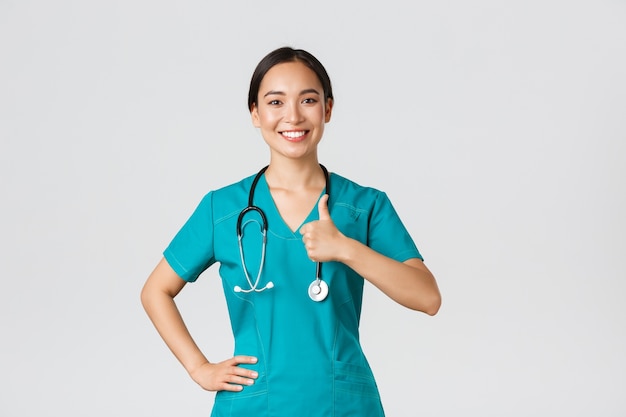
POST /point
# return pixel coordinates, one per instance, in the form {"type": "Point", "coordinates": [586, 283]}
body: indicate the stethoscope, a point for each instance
{"type": "Point", "coordinates": [318, 290]}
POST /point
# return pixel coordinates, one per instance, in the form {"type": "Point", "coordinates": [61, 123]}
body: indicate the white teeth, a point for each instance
{"type": "Point", "coordinates": [294, 135]}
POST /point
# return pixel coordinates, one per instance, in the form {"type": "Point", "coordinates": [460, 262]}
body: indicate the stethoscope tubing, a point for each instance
{"type": "Point", "coordinates": [318, 290]}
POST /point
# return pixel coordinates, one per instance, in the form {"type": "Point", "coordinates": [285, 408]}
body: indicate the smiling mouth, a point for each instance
{"type": "Point", "coordinates": [294, 135]}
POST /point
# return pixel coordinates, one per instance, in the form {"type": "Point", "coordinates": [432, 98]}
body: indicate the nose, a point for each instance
{"type": "Point", "coordinates": [293, 113]}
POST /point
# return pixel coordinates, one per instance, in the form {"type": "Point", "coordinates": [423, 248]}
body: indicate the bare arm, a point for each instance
{"type": "Point", "coordinates": [409, 283]}
{"type": "Point", "coordinates": [157, 297]}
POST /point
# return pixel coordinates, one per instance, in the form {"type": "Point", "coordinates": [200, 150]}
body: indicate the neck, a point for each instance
{"type": "Point", "coordinates": [294, 174]}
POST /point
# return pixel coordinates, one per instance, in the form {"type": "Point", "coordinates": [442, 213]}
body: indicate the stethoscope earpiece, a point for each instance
{"type": "Point", "coordinates": [269, 285]}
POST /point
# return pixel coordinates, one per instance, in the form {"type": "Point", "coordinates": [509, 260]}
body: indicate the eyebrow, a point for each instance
{"type": "Point", "coordinates": [281, 93]}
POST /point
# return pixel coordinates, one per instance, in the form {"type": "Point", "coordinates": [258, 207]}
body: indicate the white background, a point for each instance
{"type": "Point", "coordinates": [498, 130]}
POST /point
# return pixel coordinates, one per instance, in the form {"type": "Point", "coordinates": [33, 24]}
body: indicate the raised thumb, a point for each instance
{"type": "Point", "coordinates": [322, 207]}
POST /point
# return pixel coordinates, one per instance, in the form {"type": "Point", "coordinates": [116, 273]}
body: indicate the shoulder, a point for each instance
{"type": "Point", "coordinates": [234, 188]}
{"type": "Point", "coordinates": [228, 199]}
{"type": "Point", "coordinates": [346, 188]}
{"type": "Point", "coordinates": [350, 194]}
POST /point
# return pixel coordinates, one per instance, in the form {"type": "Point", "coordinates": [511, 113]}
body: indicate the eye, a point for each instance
{"type": "Point", "coordinates": [274, 102]}
{"type": "Point", "coordinates": [309, 100]}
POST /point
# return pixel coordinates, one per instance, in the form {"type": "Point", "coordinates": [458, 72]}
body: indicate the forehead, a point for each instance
{"type": "Point", "coordinates": [288, 75]}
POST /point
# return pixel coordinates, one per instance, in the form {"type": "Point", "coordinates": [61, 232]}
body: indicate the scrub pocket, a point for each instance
{"type": "Point", "coordinates": [356, 393]}
{"type": "Point", "coordinates": [252, 401]}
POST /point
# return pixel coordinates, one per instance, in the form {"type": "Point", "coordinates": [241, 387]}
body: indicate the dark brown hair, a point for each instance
{"type": "Point", "coordinates": [287, 54]}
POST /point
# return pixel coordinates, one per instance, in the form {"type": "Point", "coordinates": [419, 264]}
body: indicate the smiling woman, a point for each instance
{"type": "Point", "coordinates": [296, 330]}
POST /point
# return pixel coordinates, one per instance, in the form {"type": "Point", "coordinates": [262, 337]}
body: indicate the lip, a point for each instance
{"type": "Point", "coordinates": [294, 135]}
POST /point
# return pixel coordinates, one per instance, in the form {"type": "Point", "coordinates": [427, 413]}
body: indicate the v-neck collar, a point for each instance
{"type": "Point", "coordinates": [275, 222]}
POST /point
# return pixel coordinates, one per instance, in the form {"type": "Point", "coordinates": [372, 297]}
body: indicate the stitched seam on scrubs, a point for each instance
{"type": "Point", "coordinates": [358, 393]}
{"type": "Point", "coordinates": [226, 217]}
{"type": "Point", "coordinates": [334, 362]}
{"type": "Point", "coordinates": [356, 380]}
{"type": "Point", "coordinates": [351, 207]}
{"type": "Point", "coordinates": [260, 342]}
{"type": "Point", "coordinates": [212, 226]}
{"type": "Point", "coordinates": [402, 256]}
{"type": "Point", "coordinates": [333, 359]}
{"type": "Point", "coordinates": [239, 395]}
{"type": "Point", "coordinates": [283, 237]}
{"type": "Point", "coordinates": [170, 257]}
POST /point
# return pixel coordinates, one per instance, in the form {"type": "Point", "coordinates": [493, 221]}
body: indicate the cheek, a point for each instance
{"type": "Point", "coordinates": [317, 113]}
{"type": "Point", "coordinates": [268, 117]}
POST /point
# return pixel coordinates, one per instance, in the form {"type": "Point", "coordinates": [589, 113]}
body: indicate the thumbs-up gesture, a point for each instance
{"type": "Point", "coordinates": [322, 240]}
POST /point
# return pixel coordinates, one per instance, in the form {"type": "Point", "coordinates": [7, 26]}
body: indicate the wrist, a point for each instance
{"type": "Point", "coordinates": [349, 250]}
{"type": "Point", "coordinates": [192, 369]}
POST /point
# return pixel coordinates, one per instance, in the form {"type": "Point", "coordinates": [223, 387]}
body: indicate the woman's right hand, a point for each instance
{"type": "Point", "coordinates": [226, 375]}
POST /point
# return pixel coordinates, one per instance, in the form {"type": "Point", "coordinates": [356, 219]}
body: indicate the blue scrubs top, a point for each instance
{"type": "Point", "coordinates": [310, 361]}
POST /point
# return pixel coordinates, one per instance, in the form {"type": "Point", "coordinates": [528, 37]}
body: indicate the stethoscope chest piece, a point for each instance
{"type": "Point", "coordinates": [318, 290]}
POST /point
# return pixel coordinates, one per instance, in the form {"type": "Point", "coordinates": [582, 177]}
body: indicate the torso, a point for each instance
{"type": "Point", "coordinates": [282, 326]}
{"type": "Point", "coordinates": [309, 353]}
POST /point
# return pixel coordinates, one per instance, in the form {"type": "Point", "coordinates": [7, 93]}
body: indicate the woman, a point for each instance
{"type": "Point", "coordinates": [294, 292]}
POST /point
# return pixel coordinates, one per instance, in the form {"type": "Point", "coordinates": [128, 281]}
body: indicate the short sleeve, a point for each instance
{"type": "Point", "coordinates": [191, 251]}
{"type": "Point", "coordinates": [387, 234]}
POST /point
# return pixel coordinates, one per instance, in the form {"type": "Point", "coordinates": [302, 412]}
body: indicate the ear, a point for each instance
{"type": "Point", "coordinates": [328, 110]}
{"type": "Point", "coordinates": [254, 115]}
